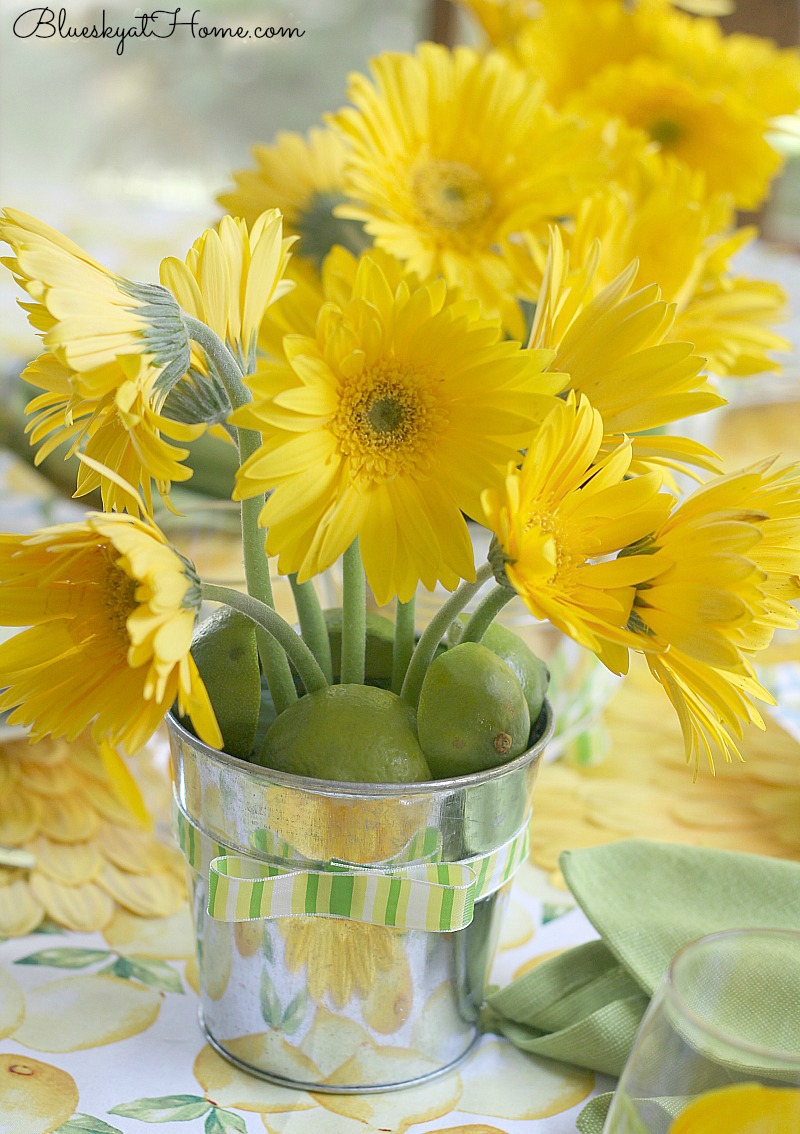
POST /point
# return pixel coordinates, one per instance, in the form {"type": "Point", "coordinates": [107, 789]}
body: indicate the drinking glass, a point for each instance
{"type": "Point", "coordinates": [718, 1050]}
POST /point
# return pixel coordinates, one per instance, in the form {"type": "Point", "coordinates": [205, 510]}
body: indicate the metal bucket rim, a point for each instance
{"type": "Point", "coordinates": [347, 788]}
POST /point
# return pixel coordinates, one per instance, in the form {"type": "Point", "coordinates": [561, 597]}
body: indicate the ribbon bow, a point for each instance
{"type": "Point", "coordinates": [435, 896]}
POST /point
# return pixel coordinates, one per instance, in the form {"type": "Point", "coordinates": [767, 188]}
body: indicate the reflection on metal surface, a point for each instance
{"type": "Point", "coordinates": [334, 1004]}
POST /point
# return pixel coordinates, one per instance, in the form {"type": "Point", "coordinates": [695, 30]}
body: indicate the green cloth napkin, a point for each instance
{"type": "Point", "coordinates": [646, 900]}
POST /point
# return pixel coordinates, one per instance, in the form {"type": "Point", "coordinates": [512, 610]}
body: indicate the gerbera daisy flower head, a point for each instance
{"type": "Point", "coordinates": [90, 317]}
{"type": "Point", "coordinates": [712, 130]}
{"type": "Point", "coordinates": [572, 41]}
{"type": "Point", "coordinates": [367, 425]}
{"type": "Point", "coordinates": [110, 608]}
{"type": "Point", "coordinates": [304, 178]}
{"type": "Point", "coordinates": [562, 513]}
{"type": "Point", "coordinates": [229, 279]}
{"type": "Point", "coordinates": [613, 343]}
{"type": "Point", "coordinates": [713, 704]}
{"type": "Point", "coordinates": [727, 317]}
{"type": "Point", "coordinates": [450, 154]}
{"type": "Point", "coordinates": [766, 77]}
{"type": "Point", "coordinates": [724, 573]}
{"type": "Point", "coordinates": [112, 416]}
{"type": "Point", "coordinates": [753, 514]}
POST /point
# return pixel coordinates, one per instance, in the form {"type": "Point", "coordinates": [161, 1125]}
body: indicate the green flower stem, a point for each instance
{"type": "Point", "coordinates": [227, 367]}
{"type": "Point", "coordinates": [290, 644]}
{"type": "Point", "coordinates": [256, 565]}
{"type": "Point", "coordinates": [435, 631]}
{"type": "Point", "coordinates": [312, 624]}
{"type": "Point", "coordinates": [486, 612]}
{"type": "Point", "coordinates": [403, 642]}
{"type": "Point", "coordinates": [354, 617]}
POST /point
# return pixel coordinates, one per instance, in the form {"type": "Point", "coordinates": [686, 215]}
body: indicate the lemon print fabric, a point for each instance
{"type": "Point", "coordinates": [91, 1011]}
{"type": "Point", "coordinates": [744, 1108]}
{"type": "Point", "coordinates": [102, 1026]}
{"type": "Point", "coordinates": [35, 1098]}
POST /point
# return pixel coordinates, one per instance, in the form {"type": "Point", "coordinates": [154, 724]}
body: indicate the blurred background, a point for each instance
{"type": "Point", "coordinates": [135, 148]}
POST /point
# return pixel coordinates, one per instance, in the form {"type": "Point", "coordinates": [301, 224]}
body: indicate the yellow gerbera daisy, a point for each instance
{"type": "Point", "coordinates": [572, 41]}
{"type": "Point", "coordinates": [451, 153]}
{"type": "Point", "coordinates": [763, 75]}
{"type": "Point", "coordinates": [91, 317]}
{"type": "Point", "coordinates": [111, 416]}
{"type": "Point", "coordinates": [724, 571]}
{"type": "Point", "coordinates": [709, 129]}
{"type": "Point", "coordinates": [111, 608]}
{"type": "Point", "coordinates": [387, 425]}
{"type": "Point", "coordinates": [712, 703]}
{"type": "Point", "coordinates": [304, 178]}
{"type": "Point", "coordinates": [229, 279]}
{"type": "Point", "coordinates": [702, 538]}
{"type": "Point", "coordinates": [564, 510]}
{"type": "Point", "coordinates": [115, 349]}
{"type": "Point", "coordinates": [505, 21]}
{"type": "Point", "coordinates": [613, 347]}
{"type": "Point", "coordinates": [726, 316]}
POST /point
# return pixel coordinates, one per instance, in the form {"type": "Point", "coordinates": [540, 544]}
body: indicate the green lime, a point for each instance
{"type": "Point", "coordinates": [472, 712]}
{"type": "Point", "coordinates": [531, 671]}
{"type": "Point", "coordinates": [380, 644]}
{"type": "Point", "coordinates": [355, 733]}
{"type": "Point", "coordinates": [224, 649]}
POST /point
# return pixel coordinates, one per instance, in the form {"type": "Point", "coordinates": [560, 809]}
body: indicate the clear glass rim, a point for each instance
{"type": "Point", "coordinates": [673, 990]}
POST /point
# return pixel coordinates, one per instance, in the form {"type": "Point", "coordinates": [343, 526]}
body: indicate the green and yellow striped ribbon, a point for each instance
{"type": "Point", "coordinates": [438, 897]}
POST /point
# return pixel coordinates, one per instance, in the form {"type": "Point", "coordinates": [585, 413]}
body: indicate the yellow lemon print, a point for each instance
{"type": "Point", "coordinates": [395, 1110]}
{"type": "Point", "coordinates": [502, 1082]}
{"type": "Point", "coordinates": [229, 1087]}
{"type": "Point", "coordinates": [34, 1096]}
{"type": "Point", "coordinates": [332, 1040]}
{"type": "Point", "coordinates": [91, 1011]}
{"type": "Point", "coordinates": [745, 1108]}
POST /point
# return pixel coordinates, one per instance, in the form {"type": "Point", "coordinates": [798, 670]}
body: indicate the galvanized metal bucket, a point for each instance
{"type": "Point", "coordinates": [326, 1003]}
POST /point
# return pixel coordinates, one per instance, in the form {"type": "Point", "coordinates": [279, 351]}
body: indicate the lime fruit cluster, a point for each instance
{"type": "Point", "coordinates": [477, 706]}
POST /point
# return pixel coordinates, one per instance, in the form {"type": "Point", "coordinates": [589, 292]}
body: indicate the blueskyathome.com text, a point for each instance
{"type": "Point", "coordinates": [160, 23]}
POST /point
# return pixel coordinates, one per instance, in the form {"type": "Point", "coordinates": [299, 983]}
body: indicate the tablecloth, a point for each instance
{"type": "Point", "coordinates": [100, 1033]}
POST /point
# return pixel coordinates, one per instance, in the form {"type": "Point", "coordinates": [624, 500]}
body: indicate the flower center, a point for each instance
{"type": "Point", "coordinates": [542, 547]}
{"type": "Point", "coordinates": [666, 131]}
{"type": "Point", "coordinates": [450, 194]}
{"type": "Point", "coordinates": [388, 420]}
{"type": "Point", "coordinates": [119, 599]}
{"type": "Point", "coordinates": [319, 229]}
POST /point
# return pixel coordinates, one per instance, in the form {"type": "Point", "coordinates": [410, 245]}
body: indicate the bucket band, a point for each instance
{"type": "Point", "coordinates": [435, 896]}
